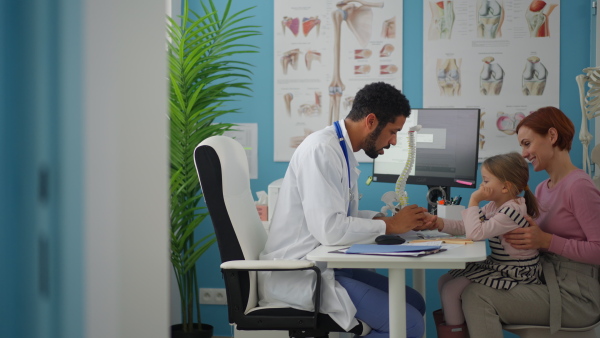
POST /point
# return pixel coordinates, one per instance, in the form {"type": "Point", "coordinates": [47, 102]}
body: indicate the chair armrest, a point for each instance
{"type": "Point", "coordinates": [255, 265]}
{"type": "Point", "coordinates": [231, 272]}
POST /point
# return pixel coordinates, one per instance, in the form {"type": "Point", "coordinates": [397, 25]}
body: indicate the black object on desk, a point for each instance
{"type": "Point", "coordinates": [389, 239]}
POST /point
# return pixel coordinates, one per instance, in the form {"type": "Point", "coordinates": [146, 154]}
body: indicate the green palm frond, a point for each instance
{"type": "Point", "coordinates": [204, 77]}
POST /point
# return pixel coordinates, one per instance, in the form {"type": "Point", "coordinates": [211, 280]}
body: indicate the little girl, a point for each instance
{"type": "Point", "coordinates": [504, 178]}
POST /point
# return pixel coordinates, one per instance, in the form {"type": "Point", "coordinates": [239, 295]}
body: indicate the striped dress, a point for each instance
{"type": "Point", "coordinates": [501, 270]}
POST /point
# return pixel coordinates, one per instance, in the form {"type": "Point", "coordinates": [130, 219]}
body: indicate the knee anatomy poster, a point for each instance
{"type": "Point", "coordinates": [501, 56]}
{"type": "Point", "coordinates": [324, 52]}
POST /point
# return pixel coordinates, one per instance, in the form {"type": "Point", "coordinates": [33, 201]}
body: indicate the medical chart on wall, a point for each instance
{"type": "Point", "coordinates": [501, 56]}
{"type": "Point", "coordinates": [324, 52]}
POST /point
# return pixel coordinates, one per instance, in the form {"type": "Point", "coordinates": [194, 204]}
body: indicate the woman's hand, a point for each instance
{"type": "Point", "coordinates": [531, 237]}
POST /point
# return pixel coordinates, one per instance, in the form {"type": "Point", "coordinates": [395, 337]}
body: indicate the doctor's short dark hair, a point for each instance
{"type": "Point", "coordinates": [381, 99]}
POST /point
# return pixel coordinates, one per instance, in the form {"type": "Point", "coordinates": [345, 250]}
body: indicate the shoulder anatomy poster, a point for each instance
{"type": "Point", "coordinates": [501, 56]}
{"type": "Point", "coordinates": [325, 51]}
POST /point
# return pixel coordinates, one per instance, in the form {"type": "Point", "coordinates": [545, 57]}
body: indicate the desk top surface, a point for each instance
{"type": "Point", "coordinates": [454, 258]}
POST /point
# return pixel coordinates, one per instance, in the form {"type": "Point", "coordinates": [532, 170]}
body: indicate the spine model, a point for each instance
{"type": "Point", "coordinates": [400, 196]}
{"type": "Point", "coordinates": [401, 182]}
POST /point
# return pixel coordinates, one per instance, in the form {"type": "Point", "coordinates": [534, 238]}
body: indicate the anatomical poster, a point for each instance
{"type": "Point", "coordinates": [324, 52]}
{"type": "Point", "coordinates": [501, 56]}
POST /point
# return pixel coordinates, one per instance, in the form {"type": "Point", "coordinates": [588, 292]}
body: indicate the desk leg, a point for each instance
{"type": "Point", "coordinates": [397, 280]}
{"type": "Point", "coordinates": [419, 281]}
{"type": "Point", "coordinates": [419, 285]}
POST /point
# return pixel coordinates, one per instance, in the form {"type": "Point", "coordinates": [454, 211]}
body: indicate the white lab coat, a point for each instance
{"type": "Point", "coordinates": [312, 210]}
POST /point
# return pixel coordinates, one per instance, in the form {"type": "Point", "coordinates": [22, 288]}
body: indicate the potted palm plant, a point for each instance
{"type": "Point", "coordinates": [204, 75]}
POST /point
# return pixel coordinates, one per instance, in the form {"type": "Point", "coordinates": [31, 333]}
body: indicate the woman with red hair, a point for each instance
{"type": "Point", "coordinates": [567, 233]}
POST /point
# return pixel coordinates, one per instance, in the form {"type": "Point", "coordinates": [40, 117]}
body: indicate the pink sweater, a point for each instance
{"type": "Point", "coordinates": [570, 211]}
{"type": "Point", "coordinates": [496, 224]}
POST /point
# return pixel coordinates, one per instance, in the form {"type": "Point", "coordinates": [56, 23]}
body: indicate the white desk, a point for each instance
{"type": "Point", "coordinates": [451, 259]}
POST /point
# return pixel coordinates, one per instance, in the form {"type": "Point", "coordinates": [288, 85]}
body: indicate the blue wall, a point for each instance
{"type": "Point", "coordinates": [12, 256]}
{"type": "Point", "coordinates": [575, 55]}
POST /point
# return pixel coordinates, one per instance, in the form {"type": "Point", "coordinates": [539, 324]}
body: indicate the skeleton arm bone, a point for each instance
{"type": "Point", "coordinates": [584, 135]}
{"type": "Point", "coordinates": [336, 87]}
{"type": "Point", "coordinates": [335, 97]}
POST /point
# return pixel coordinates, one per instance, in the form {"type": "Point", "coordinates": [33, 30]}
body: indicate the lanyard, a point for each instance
{"type": "Point", "coordinates": [338, 130]}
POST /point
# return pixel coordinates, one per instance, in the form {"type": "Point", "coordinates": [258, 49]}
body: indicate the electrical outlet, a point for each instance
{"type": "Point", "coordinates": [213, 296]}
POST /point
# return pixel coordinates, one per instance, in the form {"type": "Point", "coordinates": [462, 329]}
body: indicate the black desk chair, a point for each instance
{"type": "Point", "coordinates": [222, 168]}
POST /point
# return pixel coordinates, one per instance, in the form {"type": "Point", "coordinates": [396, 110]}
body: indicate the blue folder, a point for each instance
{"type": "Point", "coordinates": [375, 248]}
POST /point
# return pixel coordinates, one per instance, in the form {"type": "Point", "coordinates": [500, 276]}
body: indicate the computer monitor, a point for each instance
{"type": "Point", "coordinates": [447, 148]}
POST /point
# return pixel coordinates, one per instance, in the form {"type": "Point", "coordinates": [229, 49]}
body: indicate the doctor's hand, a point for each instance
{"type": "Point", "coordinates": [531, 237]}
{"type": "Point", "coordinates": [431, 222]}
{"type": "Point", "coordinates": [408, 218]}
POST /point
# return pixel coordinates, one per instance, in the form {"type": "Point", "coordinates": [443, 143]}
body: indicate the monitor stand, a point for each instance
{"type": "Point", "coordinates": [435, 193]}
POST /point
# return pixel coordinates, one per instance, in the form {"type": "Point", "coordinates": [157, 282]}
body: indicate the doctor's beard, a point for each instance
{"type": "Point", "coordinates": [370, 147]}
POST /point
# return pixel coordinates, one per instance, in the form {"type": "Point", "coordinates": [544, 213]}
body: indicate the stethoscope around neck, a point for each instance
{"type": "Point", "coordinates": [340, 135]}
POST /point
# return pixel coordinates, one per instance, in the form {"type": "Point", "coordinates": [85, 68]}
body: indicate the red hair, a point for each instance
{"type": "Point", "coordinates": [541, 120]}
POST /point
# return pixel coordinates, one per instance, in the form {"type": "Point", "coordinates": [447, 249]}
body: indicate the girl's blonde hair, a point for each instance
{"type": "Point", "coordinates": [513, 168]}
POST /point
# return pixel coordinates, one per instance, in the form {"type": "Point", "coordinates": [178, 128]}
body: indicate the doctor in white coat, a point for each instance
{"type": "Point", "coordinates": [318, 205]}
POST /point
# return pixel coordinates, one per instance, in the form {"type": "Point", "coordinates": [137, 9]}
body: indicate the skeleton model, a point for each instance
{"type": "Point", "coordinates": [590, 108]}
{"type": "Point", "coordinates": [399, 196]}
{"type": "Point", "coordinates": [359, 20]}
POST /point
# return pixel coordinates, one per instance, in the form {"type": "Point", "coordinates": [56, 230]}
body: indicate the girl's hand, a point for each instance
{"type": "Point", "coordinates": [531, 237]}
{"type": "Point", "coordinates": [483, 193]}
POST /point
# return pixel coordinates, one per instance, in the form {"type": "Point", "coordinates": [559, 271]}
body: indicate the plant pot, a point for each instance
{"type": "Point", "coordinates": [206, 331]}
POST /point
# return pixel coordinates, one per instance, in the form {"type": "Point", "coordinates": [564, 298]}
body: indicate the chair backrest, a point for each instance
{"type": "Point", "coordinates": [222, 168]}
